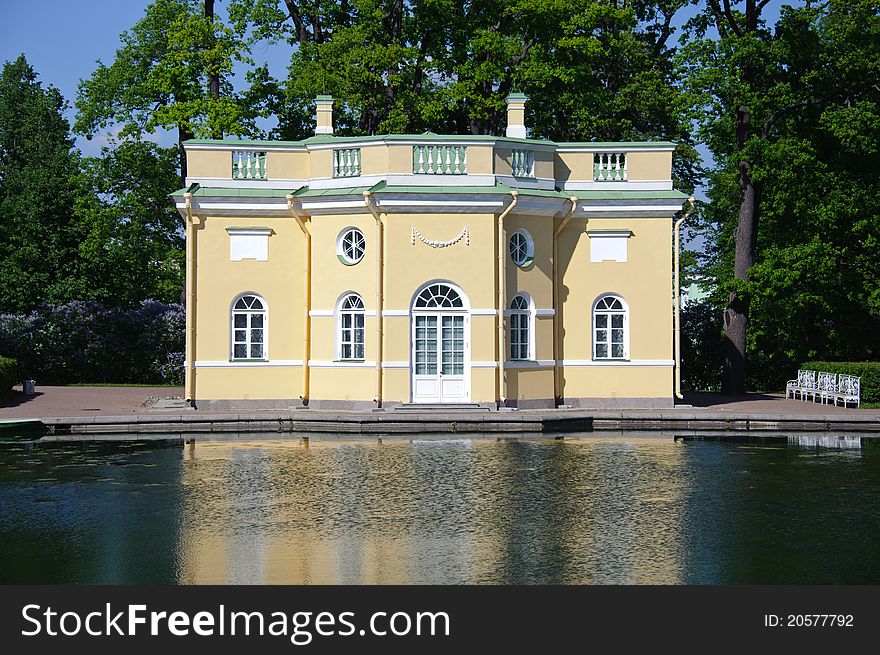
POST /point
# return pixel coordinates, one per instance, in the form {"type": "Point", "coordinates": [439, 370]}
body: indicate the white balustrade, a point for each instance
{"type": "Point", "coordinates": [248, 165]}
{"type": "Point", "coordinates": [523, 163]}
{"type": "Point", "coordinates": [440, 160]}
{"type": "Point", "coordinates": [347, 162]}
{"type": "Point", "coordinates": [609, 167]}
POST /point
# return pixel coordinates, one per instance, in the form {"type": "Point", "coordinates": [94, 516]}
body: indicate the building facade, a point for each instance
{"type": "Point", "coordinates": [364, 272]}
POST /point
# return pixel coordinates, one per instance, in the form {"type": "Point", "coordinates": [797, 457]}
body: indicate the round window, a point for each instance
{"type": "Point", "coordinates": [350, 246]}
{"type": "Point", "coordinates": [522, 248]}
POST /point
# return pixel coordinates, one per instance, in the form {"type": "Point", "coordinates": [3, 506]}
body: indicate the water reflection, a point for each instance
{"type": "Point", "coordinates": [598, 511]}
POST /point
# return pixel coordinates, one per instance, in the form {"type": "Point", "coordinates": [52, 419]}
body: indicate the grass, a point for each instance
{"type": "Point", "coordinates": [870, 405]}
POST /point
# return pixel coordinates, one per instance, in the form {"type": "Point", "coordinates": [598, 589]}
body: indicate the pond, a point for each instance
{"type": "Point", "coordinates": [598, 510]}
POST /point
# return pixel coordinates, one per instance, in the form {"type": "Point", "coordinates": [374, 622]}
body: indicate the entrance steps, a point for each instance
{"type": "Point", "coordinates": [440, 407]}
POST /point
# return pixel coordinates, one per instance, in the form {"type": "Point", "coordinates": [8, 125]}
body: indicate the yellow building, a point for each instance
{"type": "Point", "coordinates": [364, 272]}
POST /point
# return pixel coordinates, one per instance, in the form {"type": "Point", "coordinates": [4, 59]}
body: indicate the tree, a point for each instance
{"type": "Point", "coordinates": [132, 245]}
{"type": "Point", "coordinates": [172, 72]}
{"type": "Point", "coordinates": [595, 69]}
{"type": "Point", "coordinates": [793, 212]}
{"type": "Point", "coordinates": [38, 241]}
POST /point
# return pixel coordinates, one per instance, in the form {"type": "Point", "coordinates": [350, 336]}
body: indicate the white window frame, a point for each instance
{"type": "Point", "coordinates": [609, 313]}
{"type": "Point", "coordinates": [340, 342]}
{"type": "Point", "coordinates": [528, 314]}
{"type": "Point", "coordinates": [529, 248]}
{"type": "Point", "coordinates": [340, 247]}
{"type": "Point", "coordinates": [248, 313]}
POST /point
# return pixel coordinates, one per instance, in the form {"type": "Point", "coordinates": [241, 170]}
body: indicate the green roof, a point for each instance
{"type": "Point", "coordinates": [306, 192]}
{"type": "Point", "coordinates": [384, 187]}
{"type": "Point", "coordinates": [214, 192]}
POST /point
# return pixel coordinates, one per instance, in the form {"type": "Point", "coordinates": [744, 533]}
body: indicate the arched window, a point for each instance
{"type": "Point", "coordinates": [610, 326]}
{"type": "Point", "coordinates": [522, 248]}
{"type": "Point", "coordinates": [249, 328]}
{"type": "Point", "coordinates": [350, 327]}
{"type": "Point", "coordinates": [435, 296]}
{"type": "Point", "coordinates": [351, 246]}
{"type": "Point", "coordinates": [520, 329]}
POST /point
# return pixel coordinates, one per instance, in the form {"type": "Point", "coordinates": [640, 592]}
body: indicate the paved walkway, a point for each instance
{"type": "Point", "coordinates": [121, 401]}
{"type": "Point", "coordinates": [85, 401]}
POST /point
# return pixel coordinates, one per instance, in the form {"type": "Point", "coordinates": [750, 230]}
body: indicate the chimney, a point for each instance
{"type": "Point", "coordinates": [324, 115]}
{"type": "Point", "coordinates": [516, 115]}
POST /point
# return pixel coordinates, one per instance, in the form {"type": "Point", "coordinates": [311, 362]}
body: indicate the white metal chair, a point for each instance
{"type": "Point", "coordinates": [826, 387]}
{"type": "Point", "coordinates": [849, 390]}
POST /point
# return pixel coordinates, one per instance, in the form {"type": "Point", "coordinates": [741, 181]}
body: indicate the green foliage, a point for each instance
{"type": "Point", "coordinates": [37, 168]}
{"type": "Point", "coordinates": [160, 78]}
{"type": "Point", "coordinates": [700, 347]}
{"type": "Point", "coordinates": [132, 245]}
{"type": "Point", "coordinates": [813, 149]}
{"type": "Point", "coordinates": [593, 70]}
{"type": "Point", "coordinates": [8, 375]}
{"type": "Point", "coordinates": [868, 371]}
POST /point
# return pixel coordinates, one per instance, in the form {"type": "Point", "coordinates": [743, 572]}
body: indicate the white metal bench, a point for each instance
{"type": "Point", "coordinates": [827, 387]}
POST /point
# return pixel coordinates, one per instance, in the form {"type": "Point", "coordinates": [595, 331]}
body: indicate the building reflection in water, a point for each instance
{"type": "Point", "coordinates": [459, 511]}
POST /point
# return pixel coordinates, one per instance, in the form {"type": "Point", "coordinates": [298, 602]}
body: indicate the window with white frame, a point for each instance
{"type": "Point", "coordinates": [610, 326]}
{"type": "Point", "coordinates": [350, 328]}
{"type": "Point", "coordinates": [522, 248]}
{"type": "Point", "coordinates": [351, 246]}
{"type": "Point", "coordinates": [249, 328]}
{"type": "Point", "coordinates": [520, 329]}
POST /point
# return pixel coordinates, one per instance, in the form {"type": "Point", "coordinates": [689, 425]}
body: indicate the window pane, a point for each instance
{"type": "Point", "coordinates": [601, 350]}
{"type": "Point", "coordinates": [240, 320]}
{"type": "Point", "coordinates": [257, 336]}
{"type": "Point", "coordinates": [617, 320]}
{"type": "Point", "coordinates": [601, 320]}
{"type": "Point", "coordinates": [359, 351]}
{"type": "Point", "coordinates": [240, 351]}
{"type": "Point", "coordinates": [257, 320]}
{"type": "Point", "coordinates": [345, 351]}
{"type": "Point", "coordinates": [601, 336]}
{"type": "Point", "coordinates": [257, 350]}
{"type": "Point", "coordinates": [617, 350]}
{"type": "Point", "coordinates": [240, 336]}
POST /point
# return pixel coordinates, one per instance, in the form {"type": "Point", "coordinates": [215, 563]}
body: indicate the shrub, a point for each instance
{"type": "Point", "coordinates": [87, 342]}
{"type": "Point", "coordinates": [8, 374]}
{"type": "Point", "coordinates": [868, 371]}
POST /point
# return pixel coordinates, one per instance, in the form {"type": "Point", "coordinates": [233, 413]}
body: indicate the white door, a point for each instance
{"type": "Point", "coordinates": [439, 358]}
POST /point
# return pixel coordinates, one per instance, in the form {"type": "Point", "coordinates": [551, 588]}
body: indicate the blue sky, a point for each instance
{"type": "Point", "coordinates": [62, 40]}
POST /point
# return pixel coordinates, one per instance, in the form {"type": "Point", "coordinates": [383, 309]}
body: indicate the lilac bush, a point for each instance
{"type": "Point", "coordinates": [87, 342]}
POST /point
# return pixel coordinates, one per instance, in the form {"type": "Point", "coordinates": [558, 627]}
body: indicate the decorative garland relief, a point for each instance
{"type": "Point", "coordinates": [416, 234]}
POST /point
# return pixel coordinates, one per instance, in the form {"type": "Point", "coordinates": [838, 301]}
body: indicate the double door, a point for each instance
{"type": "Point", "coordinates": [440, 359]}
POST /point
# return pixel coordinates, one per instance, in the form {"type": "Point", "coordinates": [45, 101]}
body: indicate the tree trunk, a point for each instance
{"type": "Point", "coordinates": [736, 316]}
{"type": "Point", "coordinates": [213, 77]}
